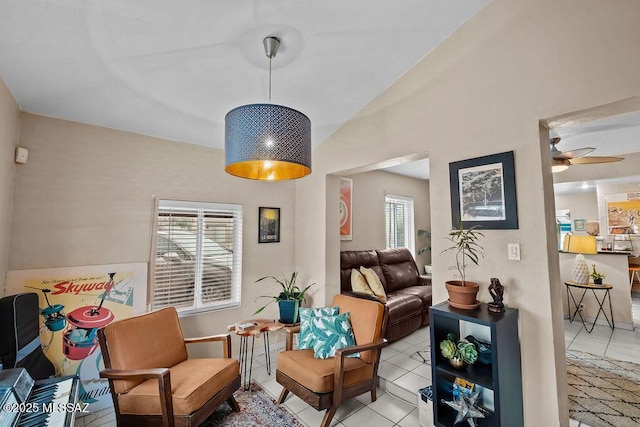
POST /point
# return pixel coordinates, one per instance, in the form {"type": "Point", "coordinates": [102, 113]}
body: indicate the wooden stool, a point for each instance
{"type": "Point", "coordinates": [634, 273]}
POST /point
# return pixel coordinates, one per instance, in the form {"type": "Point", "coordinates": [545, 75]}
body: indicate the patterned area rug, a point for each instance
{"type": "Point", "coordinates": [603, 392]}
{"type": "Point", "coordinates": [257, 408]}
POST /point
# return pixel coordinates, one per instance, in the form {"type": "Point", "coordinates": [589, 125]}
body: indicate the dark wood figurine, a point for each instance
{"type": "Point", "coordinates": [497, 291]}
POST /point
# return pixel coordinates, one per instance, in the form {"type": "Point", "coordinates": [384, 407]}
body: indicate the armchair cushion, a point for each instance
{"type": "Point", "coordinates": [193, 382]}
{"type": "Point", "coordinates": [307, 338]}
{"type": "Point", "coordinates": [317, 374]}
{"type": "Point", "coordinates": [332, 333]}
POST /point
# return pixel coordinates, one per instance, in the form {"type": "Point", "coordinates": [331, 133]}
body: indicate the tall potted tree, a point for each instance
{"type": "Point", "coordinates": [288, 299]}
{"type": "Point", "coordinates": [463, 293]}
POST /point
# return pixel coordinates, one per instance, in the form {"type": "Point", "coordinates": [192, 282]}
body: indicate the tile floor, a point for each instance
{"type": "Point", "coordinates": [403, 372]}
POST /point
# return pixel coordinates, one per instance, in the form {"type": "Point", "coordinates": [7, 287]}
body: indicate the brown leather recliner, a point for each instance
{"type": "Point", "coordinates": [409, 295]}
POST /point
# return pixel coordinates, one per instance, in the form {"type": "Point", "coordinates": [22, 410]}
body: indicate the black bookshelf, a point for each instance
{"type": "Point", "coordinates": [503, 376]}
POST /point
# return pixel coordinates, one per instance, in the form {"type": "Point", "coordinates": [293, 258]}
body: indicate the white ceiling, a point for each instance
{"type": "Point", "coordinates": [613, 136]}
{"type": "Point", "coordinates": [173, 69]}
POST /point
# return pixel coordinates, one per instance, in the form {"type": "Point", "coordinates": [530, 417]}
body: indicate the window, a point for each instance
{"type": "Point", "coordinates": [398, 213]}
{"type": "Point", "coordinates": [198, 256]}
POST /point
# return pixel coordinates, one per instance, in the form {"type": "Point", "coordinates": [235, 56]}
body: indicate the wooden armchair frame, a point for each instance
{"type": "Point", "coordinates": [333, 399]}
{"type": "Point", "coordinates": [163, 375]}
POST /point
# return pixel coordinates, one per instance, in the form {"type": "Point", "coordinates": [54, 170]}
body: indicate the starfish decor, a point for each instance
{"type": "Point", "coordinates": [466, 407]}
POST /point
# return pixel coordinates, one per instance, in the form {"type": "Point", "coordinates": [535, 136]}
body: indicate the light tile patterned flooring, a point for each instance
{"type": "Point", "coordinates": [402, 373]}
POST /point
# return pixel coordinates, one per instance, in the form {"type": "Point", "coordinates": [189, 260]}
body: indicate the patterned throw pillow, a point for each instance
{"type": "Point", "coordinates": [307, 339]}
{"type": "Point", "coordinates": [332, 333]}
{"type": "Point", "coordinates": [374, 283]}
{"type": "Point", "coordinates": [359, 283]}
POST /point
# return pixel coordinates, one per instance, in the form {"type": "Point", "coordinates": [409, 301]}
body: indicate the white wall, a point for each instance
{"type": "Point", "coordinates": [369, 191]}
{"type": "Point", "coordinates": [9, 126]}
{"type": "Point", "coordinates": [85, 198]}
{"type": "Point", "coordinates": [484, 91]}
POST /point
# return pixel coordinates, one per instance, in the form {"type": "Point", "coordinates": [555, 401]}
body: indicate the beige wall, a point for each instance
{"type": "Point", "coordinates": [85, 197]}
{"type": "Point", "coordinates": [484, 91]}
{"type": "Point", "coordinates": [369, 191]}
{"type": "Point", "coordinates": [581, 205]}
{"type": "Point", "coordinates": [9, 126]}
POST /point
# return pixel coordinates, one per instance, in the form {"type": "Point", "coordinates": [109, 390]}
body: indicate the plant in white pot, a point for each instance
{"type": "Point", "coordinates": [288, 299]}
{"type": "Point", "coordinates": [426, 236]}
{"type": "Point", "coordinates": [462, 293]}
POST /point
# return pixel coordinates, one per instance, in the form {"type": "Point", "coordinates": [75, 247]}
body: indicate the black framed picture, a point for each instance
{"type": "Point", "coordinates": [483, 192]}
{"type": "Point", "coordinates": [268, 225]}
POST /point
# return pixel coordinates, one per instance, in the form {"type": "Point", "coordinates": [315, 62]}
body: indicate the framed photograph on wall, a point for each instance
{"type": "Point", "coordinates": [346, 203]}
{"type": "Point", "coordinates": [483, 192]}
{"type": "Point", "coordinates": [579, 224]}
{"type": "Point", "coordinates": [268, 225]}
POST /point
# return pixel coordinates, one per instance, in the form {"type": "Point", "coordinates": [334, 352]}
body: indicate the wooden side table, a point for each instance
{"type": "Point", "coordinates": [253, 328]}
{"type": "Point", "coordinates": [590, 286]}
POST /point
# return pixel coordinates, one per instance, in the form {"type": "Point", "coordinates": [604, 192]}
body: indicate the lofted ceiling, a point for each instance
{"type": "Point", "coordinates": [173, 69]}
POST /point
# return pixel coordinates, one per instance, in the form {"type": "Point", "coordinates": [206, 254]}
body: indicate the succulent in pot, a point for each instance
{"type": "Point", "coordinates": [459, 352]}
{"type": "Point", "coordinates": [597, 277]}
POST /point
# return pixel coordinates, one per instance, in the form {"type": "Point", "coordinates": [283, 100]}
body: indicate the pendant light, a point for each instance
{"type": "Point", "coordinates": [267, 141]}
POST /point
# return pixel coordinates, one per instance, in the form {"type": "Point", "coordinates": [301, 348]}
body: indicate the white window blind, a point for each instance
{"type": "Point", "coordinates": [198, 256]}
{"type": "Point", "coordinates": [399, 228]}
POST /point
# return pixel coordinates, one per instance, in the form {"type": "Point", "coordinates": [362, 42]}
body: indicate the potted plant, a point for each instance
{"type": "Point", "coordinates": [459, 352]}
{"type": "Point", "coordinates": [288, 299]}
{"type": "Point", "coordinates": [426, 236]}
{"type": "Point", "coordinates": [597, 277]}
{"type": "Point", "coordinates": [462, 293]}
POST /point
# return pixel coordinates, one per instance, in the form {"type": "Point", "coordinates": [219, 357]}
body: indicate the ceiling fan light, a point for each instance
{"type": "Point", "coordinates": [559, 165]}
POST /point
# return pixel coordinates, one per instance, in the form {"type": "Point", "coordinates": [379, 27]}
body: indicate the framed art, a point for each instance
{"type": "Point", "coordinates": [623, 213]}
{"type": "Point", "coordinates": [483, 192]}
{"type": "Point", "coordinates": [579, 224]}
{"type": "Point", "coordinates": [346, 203]}
{"type": "Point", "coordinates": [268, 225]}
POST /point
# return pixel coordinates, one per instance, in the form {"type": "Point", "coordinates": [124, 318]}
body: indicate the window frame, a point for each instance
{"type": "Point", "coordinates": [201, 209]}
{"type": "Point", "coordinates": [409, 220]}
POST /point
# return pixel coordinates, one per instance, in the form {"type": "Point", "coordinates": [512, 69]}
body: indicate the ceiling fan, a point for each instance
{"type": "Point", "coordinates": [561, 161]}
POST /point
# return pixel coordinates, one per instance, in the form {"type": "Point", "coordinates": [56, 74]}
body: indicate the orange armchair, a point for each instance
{"type": "Point", "coordinates": [153, 382]}
{"type": "Point", "coordinates": [326, 383]}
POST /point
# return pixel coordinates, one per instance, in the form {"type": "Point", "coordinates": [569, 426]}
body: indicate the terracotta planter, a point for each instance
{"type": "Point", "coordinates": [463, 297]}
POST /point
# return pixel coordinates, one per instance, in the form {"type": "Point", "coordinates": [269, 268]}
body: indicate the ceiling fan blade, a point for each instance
{"type": "Point", "coordinates": [574, 154]}
{"type": "Point", "coordinates": [594, 160]}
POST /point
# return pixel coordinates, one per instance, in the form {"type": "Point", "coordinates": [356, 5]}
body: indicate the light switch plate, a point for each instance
{"type": "Point", "coordinates": [513, 250]}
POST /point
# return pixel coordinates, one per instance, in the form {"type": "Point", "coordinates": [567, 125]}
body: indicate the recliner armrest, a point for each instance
{"type": "Point", "coordinates": [424, 281]}
{"type": "Point", "coordinates": [225, 338]}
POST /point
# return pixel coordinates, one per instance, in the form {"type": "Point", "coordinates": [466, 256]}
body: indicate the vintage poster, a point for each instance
{"type": "Point", "coordinates": [346, 200]}
{"type": "Point", "coordinates": [74, 302]}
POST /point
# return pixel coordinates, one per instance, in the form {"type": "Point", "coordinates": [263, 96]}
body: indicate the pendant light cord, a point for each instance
{"type": "Point", "coordinates": [270, 57]}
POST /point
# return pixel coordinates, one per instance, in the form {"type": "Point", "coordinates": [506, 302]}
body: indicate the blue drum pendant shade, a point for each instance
{"type": "Point", "coordinates": [267, 142]}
